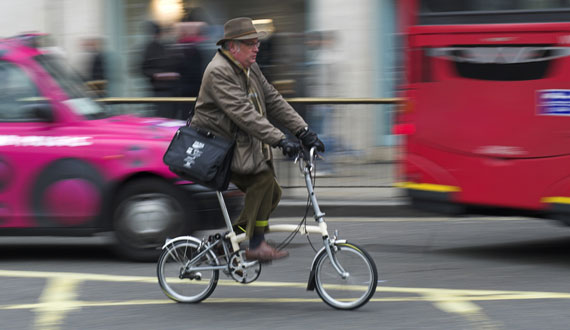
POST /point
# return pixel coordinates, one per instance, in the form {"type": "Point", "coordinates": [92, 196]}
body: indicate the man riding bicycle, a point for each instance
{"type": "Point", "coordinates": [235, 101]}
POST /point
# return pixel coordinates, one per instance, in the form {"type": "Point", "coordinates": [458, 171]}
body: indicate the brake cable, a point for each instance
{"type": "Point", "coordinates": [287, 240]}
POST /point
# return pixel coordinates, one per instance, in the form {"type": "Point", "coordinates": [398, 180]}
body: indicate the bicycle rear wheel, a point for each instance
{"type": "Point", "coordinates": [354, 290]}
{"type": "Point", "coordinates": [176, 279]}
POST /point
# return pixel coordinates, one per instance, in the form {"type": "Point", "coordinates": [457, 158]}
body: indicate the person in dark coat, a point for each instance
{"type": "Point", "coordinates": [158, 67]}
{"type": "Point", "coordinates": [95, 75]}
{"type": "Point", "coordinates": [189, 63]}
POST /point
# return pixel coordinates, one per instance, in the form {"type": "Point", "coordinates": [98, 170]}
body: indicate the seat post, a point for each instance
{"type": "Point", "coordinates": [224, 210]}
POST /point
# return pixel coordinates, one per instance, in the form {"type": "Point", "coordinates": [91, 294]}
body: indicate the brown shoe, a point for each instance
{"type": "Point", "coordinates": [265, 252]}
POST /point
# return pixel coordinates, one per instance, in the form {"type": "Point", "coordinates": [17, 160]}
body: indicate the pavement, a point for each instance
{"type": "Point", "coordinates": [349, 202]}
{"type": "Point", "coordinates": [351, 189]}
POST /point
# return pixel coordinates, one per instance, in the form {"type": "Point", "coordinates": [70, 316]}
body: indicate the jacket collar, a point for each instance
{"type": "Point", "coordinates": [232, 60]}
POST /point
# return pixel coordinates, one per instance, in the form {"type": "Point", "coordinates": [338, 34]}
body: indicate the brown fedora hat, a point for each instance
{"type": "Point", "coordinates": [240, 28]}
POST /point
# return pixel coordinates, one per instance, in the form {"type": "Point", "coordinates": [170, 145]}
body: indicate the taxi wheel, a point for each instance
{"type": "Point", "coordinates": [146, 212]}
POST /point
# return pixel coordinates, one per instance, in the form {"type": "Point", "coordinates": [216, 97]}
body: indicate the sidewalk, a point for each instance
{"type": "Point", "coordinates": [356, 188]}
{"type": "Point", "coordinates": [348, 202]}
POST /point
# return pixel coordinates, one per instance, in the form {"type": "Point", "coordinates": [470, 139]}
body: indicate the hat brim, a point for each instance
{"type": "Point", "coordinates": [259, 35]}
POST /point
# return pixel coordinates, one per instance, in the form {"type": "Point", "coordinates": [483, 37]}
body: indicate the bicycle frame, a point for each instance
{"type": "Point", "coordinates": [306, 167]}
{"type": "Point", "coordinates": [188, 260]}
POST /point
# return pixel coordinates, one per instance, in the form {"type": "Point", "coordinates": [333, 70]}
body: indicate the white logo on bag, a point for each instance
{"type": "Point", "coordinates": [192, 153]}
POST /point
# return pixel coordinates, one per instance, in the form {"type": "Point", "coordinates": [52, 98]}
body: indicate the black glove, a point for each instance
{"type": "Point", "coordinates": [290, 147]}
{"type": "Point", "coordinates": [310, 139]}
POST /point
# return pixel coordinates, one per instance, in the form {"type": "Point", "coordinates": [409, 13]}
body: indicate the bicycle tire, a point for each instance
{"type": "Point", "coordinates": [193, 287]}
{"type": "Point", "coordinates": [352, 292]}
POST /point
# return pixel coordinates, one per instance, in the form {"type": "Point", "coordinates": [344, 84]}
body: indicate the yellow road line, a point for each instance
{"type": "Point", "coordinates": [293, 221]}
{"type": "Point", "coordinates": [56, 300]}
{"type": "Point", "coordinates": [78, 276]}
{"type": "Point", "coordinates": [450, 294]}
{"type": "Point", "coordinates": [78, 303]}
{"type": "Point", "coordinates": [471, 294]}
{"type": "Point", "coordinates": [59, 297]}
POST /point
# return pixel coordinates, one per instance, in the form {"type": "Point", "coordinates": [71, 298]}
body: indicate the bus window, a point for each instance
{"type": "Point", "coordinates": [490, 5]}
{"type": "Point", "coordinates": [493, 11]}
{"type": "Point", "coordinates": [501, 62]}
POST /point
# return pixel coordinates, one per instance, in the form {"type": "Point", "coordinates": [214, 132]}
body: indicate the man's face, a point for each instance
{"type": "Point", "coordinates": [245, 51]}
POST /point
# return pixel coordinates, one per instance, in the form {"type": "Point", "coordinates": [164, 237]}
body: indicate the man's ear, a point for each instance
{"type": "Point", "coordinates": [234, 46]}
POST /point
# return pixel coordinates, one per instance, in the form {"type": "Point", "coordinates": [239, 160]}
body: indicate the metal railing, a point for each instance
{"type": "Point", "coordinates": [292, 100]}
{"type": "Point", "coordinates": [346, 165]}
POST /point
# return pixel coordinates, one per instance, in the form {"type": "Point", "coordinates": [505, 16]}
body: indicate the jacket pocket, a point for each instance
{"type": "Point", "coordinates": [248, 157]}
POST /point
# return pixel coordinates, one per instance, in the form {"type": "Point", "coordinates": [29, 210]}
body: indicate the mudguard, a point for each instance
{"type": "Point", "coordinates": [311, 282]}
{"type": "Point", "coordinates": [180, 238]}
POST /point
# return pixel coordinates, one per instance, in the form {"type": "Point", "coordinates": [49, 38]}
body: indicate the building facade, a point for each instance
{"type": "Point", "coordinates": [362, 55]}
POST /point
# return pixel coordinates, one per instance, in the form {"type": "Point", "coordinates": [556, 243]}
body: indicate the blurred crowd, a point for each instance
{"type": "Point", "coordinates": [174, 69]}
{"type": "Point", "coordinates": [173, 61]}
{"type": "Point", "coordinates": [174, 57]}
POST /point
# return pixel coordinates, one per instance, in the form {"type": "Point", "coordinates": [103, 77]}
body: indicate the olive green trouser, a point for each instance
{"type": "Point", "coordinates": [262, 195]}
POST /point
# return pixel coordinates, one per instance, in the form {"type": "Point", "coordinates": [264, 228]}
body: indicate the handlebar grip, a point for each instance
{"type": "Point", "coordinates": [308, 154]}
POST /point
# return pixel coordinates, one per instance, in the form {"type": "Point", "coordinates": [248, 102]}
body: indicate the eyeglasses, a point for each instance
{"type": "Point", "coordinates": [251, 43]}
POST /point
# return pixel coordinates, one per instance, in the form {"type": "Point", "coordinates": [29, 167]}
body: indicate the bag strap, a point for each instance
{"type": "Point", "coordinates": [191, 112]}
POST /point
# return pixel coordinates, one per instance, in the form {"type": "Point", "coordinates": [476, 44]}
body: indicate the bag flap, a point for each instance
{"type": "Point", "coordinates": [197, 153]}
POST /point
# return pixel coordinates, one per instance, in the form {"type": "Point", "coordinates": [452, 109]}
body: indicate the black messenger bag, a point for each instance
{"type": "Point", "coordinates": [200, 156]}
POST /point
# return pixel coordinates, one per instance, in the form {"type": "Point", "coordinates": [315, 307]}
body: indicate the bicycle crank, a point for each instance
{"type": "Point", "coordinates": [243, 271]}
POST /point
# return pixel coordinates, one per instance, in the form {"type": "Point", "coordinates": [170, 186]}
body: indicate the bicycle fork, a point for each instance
{"type": "Point", "coordinates": [328, 244]}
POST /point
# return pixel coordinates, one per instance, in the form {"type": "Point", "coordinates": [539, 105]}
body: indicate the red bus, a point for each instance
{"type": "Point", "coordinates": [487, 119]}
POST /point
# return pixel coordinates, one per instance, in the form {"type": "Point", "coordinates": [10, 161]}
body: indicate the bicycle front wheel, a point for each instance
{"type": "Point", "coordinates": [358, 284]}
{"type": "Point", "coordinates": [177, 278]}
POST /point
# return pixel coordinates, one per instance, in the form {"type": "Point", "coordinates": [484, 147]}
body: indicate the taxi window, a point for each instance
{"type": "Point", "coordinates": [17, 94]}
{"type": "Point", "coordinates": [78, 99]}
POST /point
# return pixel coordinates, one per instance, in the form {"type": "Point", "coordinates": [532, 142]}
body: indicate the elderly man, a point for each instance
{"type": "Point", "coordinates": [235, 101]}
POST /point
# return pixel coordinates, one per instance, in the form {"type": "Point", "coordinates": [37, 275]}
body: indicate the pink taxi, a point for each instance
{"type": "Point", "coordinates": [69, 166]}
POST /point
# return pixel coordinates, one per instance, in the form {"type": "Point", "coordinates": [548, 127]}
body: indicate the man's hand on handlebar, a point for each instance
{"type": "Point", "coordinates": [289, 147]}
{"type": "Point", "coordinates": [310, 139]}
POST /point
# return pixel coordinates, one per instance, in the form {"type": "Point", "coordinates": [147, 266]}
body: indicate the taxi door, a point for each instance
{"type": "Point", "coordinates": [44, 184]}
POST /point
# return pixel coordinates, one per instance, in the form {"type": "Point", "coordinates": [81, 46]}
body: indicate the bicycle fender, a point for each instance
{"type": "Point", "coordinates": [315, 258]}
{"type": "Point", "coordinates": [311, 282]}
{"type": "Point", "coordinates": [180, 238]}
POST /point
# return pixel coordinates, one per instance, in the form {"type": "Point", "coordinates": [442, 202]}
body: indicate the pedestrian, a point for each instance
{"type": "Point", "coordinates": [158, 67]}
{"type": "Point", "coordinates": [236, 101]}
{"type": "Point", "coordinates": [189, 63]}
{"type": "Point", "coordinates": [95, 73]}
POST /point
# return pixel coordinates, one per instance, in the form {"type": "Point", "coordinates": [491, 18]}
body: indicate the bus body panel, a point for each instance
{"type": "Point", "coordinates": [488, 137]}
{"type": "Point", "coordinates": [511, 183]}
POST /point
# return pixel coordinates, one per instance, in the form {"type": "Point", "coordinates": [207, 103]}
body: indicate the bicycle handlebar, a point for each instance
{"type": "Point", "coordinates": [307, 156]}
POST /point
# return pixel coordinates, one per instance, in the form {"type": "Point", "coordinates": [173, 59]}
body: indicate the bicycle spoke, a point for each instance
{"type": "Point", "coordinates": [351, 291]}
{"type": "Point", "coordinates": [186, 286]}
